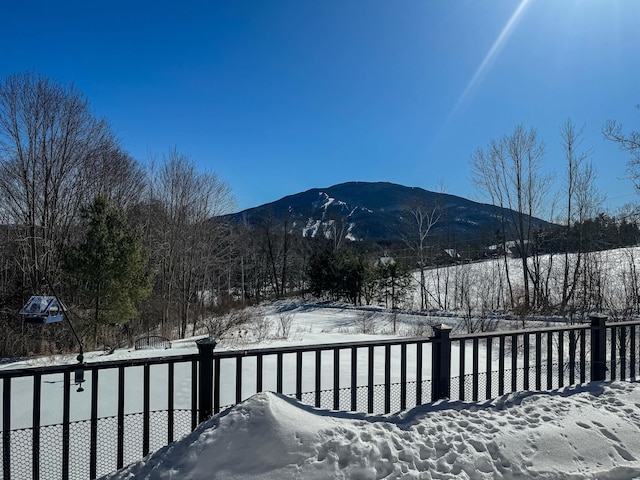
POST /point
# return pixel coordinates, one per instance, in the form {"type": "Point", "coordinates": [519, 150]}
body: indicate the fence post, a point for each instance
{"type": "Point", "coordinates": [598, 347]}
{"type": "Point", "coordinates": [205, 378]}
{"type": "Point", "coordinates": [6, 428]}
{"type": "Point", "coordinates": [440, 363]}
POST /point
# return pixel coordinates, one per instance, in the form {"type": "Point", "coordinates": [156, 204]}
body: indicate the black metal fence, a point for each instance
{"type": "Point", "coordinates": [131, 408]}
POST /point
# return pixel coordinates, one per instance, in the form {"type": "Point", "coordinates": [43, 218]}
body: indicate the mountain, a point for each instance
{"type": "Point", "coordinates": [376, 211]}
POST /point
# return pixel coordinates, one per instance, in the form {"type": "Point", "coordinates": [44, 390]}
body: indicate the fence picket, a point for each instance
{"type": "Point", "coordinates": [538, 361]}
{"type": "Point", "coordinates": [489, 368]}
{"type": "Point", "coordinates": [623, 352]}
{"type": "Point", "coordinates": [259, 368]}
{"type": "Point", "coordinates": [336, 378]}
{"type": "Point", "coordinates": [170, 400]}
{"type": "Point", "coordinates": [560, 359]}
{"type": "Point", "coordinates": [501, 347]}
{"type": "Point", "coordinates": [93, 435]}
{"type": "Point", "coordinates": [238, 379]}
{"type": "Point", "coordinates": [279, 372]}
{"type": "Point", "coordinates": [318, 367]}
{"type": "Point", "coordinates": [572, 357]}
{"type": "Point", "coordinates": [120, 442]}
{"type": "Point", "coordinates": [632, 351]}
{"type": "Point", "coordinates": [35, 450]}
{"type": "Point", "coordinates": [514, 362]}
{"type": "Point", "coordinates": [299, 375]}
{"type": "Point", "coordinates": [613, 364]}
{"type": "Point", "coordinates": [6, 428]}
{"type": "Point", "coordinates": [354, 378]}
{"type": "Point", "coordinates": [370, 378]}
{"type": "Point", "coordinates": [387, 378]}
{"type": "Point", "coordinates": [525, 360]}
{"type": "Point", "coordinates": [145, 409]}
{"type": "Point", "coordinates": [583, 356]}
{"type": "Point", "coordinates": [403, 376]}
{"type": "Point", "coordinates": [461, 361]}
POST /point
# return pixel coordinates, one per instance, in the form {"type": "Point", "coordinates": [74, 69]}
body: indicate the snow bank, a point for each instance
{"type": "Point", "coordinates": [589, 431]}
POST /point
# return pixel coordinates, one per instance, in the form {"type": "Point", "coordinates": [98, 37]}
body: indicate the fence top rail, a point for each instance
{"type": "Point", "coordinates": [627, 323]}
{"type": "Point", "coordinates": [133, 362]}
{"type": "Point", "coordinates": [322, 346]}
{"type": "Point", "coordinates": [522, 331]}
{"type": "Point", "coordinates": [554, 329]}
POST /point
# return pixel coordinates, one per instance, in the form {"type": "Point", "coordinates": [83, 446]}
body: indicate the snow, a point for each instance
{"type": "Point", "coordinates": [482, 286]}
{"type": "Point", "coordinates": [589, 431]}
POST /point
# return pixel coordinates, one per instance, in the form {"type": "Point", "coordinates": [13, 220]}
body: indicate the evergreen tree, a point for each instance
{"type": "Point", "coordinates": [338, 273]}
{"type": "Point", "coordinates": [110, 267]}
{"type": "Point", "coordinates": [322, 272]}
{"type": "Point", "coordinates": [352, 273]}
{"type": "Point", "coordinates": [393, 279]}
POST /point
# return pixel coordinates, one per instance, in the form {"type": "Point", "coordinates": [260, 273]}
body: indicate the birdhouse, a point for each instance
{"type": "Point", "coordinates": [42, 309]}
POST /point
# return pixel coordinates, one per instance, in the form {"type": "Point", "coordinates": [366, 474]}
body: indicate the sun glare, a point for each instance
{"type": "Point", "coordinates": [493, 53]}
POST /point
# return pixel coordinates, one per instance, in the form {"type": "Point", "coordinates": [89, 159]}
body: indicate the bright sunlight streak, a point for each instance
{"type": "Point", "coordinates": [494, 51]}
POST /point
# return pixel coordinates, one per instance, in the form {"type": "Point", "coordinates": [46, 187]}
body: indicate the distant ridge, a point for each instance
{"type": "Point", "coordinates": [374, 211]}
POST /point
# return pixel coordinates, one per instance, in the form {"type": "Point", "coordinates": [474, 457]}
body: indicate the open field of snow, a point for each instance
{"type": "Point", "coordinates": [610, 275]}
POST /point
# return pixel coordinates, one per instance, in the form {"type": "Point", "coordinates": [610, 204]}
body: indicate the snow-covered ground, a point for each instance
{"type": "Point", "coordinates": [483, 286]}
{"type": "Point", "coordinates": [585, 432]}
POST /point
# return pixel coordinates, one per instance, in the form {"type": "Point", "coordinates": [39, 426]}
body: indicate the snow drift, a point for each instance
{"type": "Point", "coordinates": [590, 431]}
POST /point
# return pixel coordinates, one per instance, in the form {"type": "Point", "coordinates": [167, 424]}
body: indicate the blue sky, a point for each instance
{"type": "Point", "coordinates": [281, 96]}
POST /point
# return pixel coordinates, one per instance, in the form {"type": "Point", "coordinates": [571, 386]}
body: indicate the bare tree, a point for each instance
{"type": "Point", "coordinates": [281, 252]}
{"type": "Point", "coordinates": [188, 244]}
{"type": "Point", "coordinates": [236, 325]}
{"type": "Point", "coordinates": [581, 202]}
{"type": "Point", "coordinates": [251, 262]}
{"type": "Point", "coordinates": [425, 217]}
{"type": "Point", "coordinates": [630, 283]}
{"type": "Point", "coordinates": [337, 227]}
{"type": "Point", "coordinates": [285, 322]}
{"type": "Point", "coordinates": [117, 177]}
{"type": "Point", "coordinates": [49, 143]}
{"type": "Point", "coordinates": [275, 255]}
{"type": "Point", "coordinates": [629, 142]}
{"type": "Point", "coordinates": [509, 174]}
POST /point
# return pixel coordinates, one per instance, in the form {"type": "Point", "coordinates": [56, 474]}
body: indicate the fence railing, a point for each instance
{"type": "Point", "coordinates": [131, 408]}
